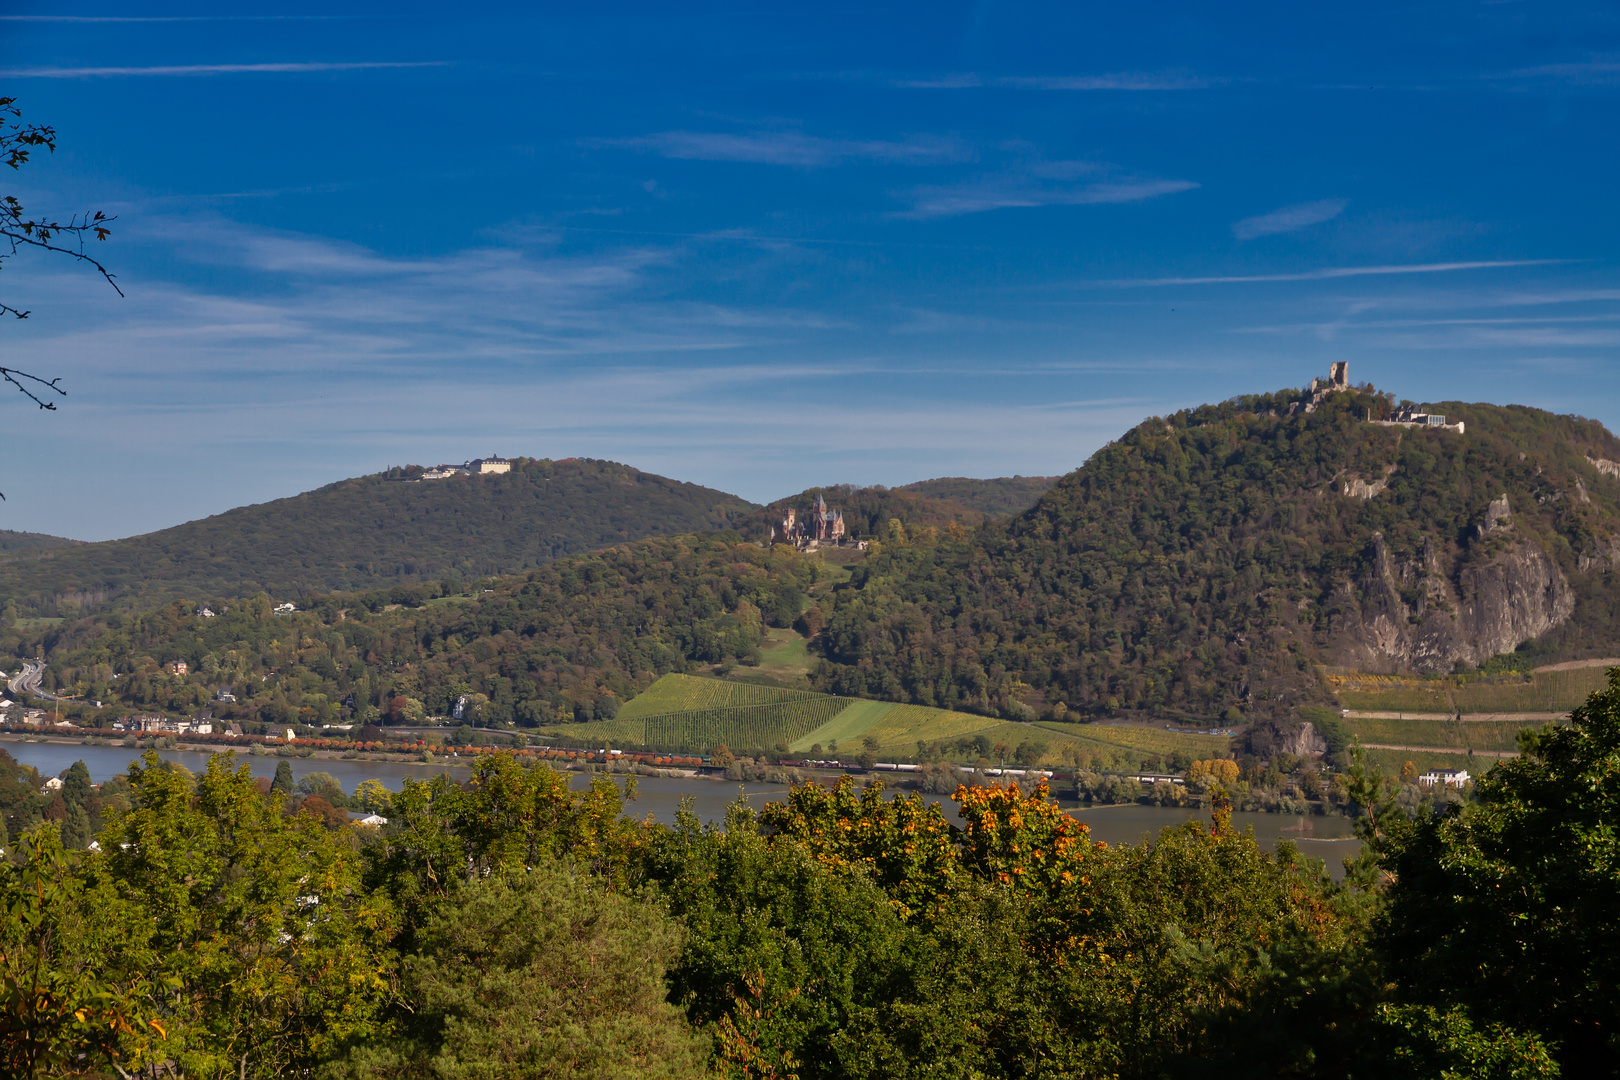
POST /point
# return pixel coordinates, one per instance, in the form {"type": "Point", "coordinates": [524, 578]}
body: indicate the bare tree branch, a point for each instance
{"type": "Point", "coordinates": [19, 232]}
{"type": "Point", "coordinates": [11, 375]}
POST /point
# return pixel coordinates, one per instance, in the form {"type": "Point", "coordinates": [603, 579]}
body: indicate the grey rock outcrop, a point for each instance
{"type": "Point", "coordinates": [1428, 612]}
{"type": "Point", "coordinates": [1269, 738]}
{"type": "Point", "coordinates": [1305, 741]}
{"type": "Point", "coordinates": [1357, 488]}
{"type": "Point", "coordinates": [1603, 554]}
{"type": "Point", "coordinates": [1605, 466]}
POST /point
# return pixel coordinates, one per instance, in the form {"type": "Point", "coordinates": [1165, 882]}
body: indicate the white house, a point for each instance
{"type": "Point", "coordinates": [376, 820]}
{"type": "Point", "coordinates": [1444, 777]}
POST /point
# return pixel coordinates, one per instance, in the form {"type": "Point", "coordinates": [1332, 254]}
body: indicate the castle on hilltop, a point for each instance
{"type": "Point", "coordinates": [819, 526]}
{"type": "Point", "coordinates": [1339, 379]}
{"type": "Point", "coordinates": [475, 467]}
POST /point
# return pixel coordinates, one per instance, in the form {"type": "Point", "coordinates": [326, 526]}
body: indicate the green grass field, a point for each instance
{"type": "Point", "coordinates": [905, 724]}
{"type": "Point", "coordinates": [1143, 740]}
{"type": "Point", "coordinates": [739, 727]}
{"type": "Point", "coordinates": [621, 734]}
{"type": "Point", "coordinates": [845, 729]}
{"type": "Point", "coordinates": [1390, 761]}
{"type": "Point", "coordinates": [1474, 735]}
{"type": "Point", "coordinates": [784, 657]}
{"type": "Point", "coordinates": [683, 693]}
{"type": "Point", "coordinates": [1545, 691]}
{"type": "Point", "coordinates": [691, 714]}
{"type": "Point", "coordinates": [744, 727]}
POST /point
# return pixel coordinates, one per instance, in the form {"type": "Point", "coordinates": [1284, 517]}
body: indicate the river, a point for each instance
{"type": "Point", "coordinates": [1329, 838]}
{"type": "Point", "coordinates": [659, 796]}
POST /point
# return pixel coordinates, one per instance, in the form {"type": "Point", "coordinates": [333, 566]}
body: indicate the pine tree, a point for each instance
{"type": "Point", "coordinates": [76, 786]}
{"type": "Point", "coordinates": [284, 778]}
{"type": "Point", "coordinates": [76, 828]}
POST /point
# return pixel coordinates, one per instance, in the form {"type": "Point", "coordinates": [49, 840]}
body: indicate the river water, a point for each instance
{"type": "Point", "coordinates": [1331, 839]}
{"type": "Point", "coordinates": [659, 796]}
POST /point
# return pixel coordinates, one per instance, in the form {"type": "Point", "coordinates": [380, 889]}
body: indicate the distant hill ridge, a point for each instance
{"type": "Point", "coordinates": [375, 531]}
{"type": "Point", "coordinates": [999, 497]}
{"type": "Point", "coordinates": [1210, 563]}
{"type": "Point", "coordinates": [15, 543]}
{"type": "Point", "coordinates": [372, 531]}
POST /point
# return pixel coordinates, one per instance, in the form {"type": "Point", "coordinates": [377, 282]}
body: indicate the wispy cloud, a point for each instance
{"type": "Point", "coordinates": [332, 359]}
{"type": "Point", "coordinates": [1063, 183]}
{"type": "Point", "coordinates": [182, 18]}
{"type": "Point", "coordinates": [346, 311]}
{"type": "Point", "coordinates": [1598, 71]}
{"type": "Point", "coordinates": [1127, 80]}
{"type": "Point", "coordinates": [1332, 272]}
{"type": "Point", "coordinates": [793, 148]}
{"type": "Point", "coordinates": [209, 69]}
{"type": "Point", "coordinates": [1289, 218]}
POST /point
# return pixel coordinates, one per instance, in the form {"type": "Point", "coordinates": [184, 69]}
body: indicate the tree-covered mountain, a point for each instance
{"type": "Point", "coordinates": [1209, 559]}
{"type": "Point", "coordinates": [570, 640]}
{"type": "Point", "coordinates": [14, 543]}
{"type": "Point", "coordinates": [373, 531]}
{"type": "Point", "coordinates": [1202, 566]}
{"type": "Point", "coordinates": [1000, 496]}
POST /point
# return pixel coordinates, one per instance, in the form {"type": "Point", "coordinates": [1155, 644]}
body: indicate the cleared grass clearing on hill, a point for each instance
{"type": "Point", "coordinates": [1480, 735]}
{"type": "Point", "coordinates": [903, 725]}
{"type": "Point", "coordinates": [1142, 740]}
{"type": "Point", "coordinates": [743, 727]}
{"type": "Point", "coordinates": [739, 727]}
{"type": "Point", "coordinates": [621, 733]}
{"type": "Point", "coordinates": [693, 714]}
{"type": "Point", "coordinates": [784, 657]}
{"type": "Point", "coordinates": [1391, 761]}
{"type": "Point", "coordinates": [1543, 691]}
{"type": "Point", "coordinates": [846, 729]}
{"type": "Point", "coordinates": [685, 693]}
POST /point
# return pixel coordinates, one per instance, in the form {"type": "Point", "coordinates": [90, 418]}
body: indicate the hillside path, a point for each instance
{"type": "Point", "coordinates": [1575, 665]}
{"type": "Point", "coordinates": [1463, 750]}
{"type": "Point", "coordinates": [1468, 718]}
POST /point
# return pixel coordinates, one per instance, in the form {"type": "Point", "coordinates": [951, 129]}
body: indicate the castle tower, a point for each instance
{"type": "Point", "coordinates": [1339, 375]}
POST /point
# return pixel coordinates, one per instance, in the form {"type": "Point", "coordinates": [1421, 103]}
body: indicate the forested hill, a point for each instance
{"type": "Point", "coordinates": [13, 542]}
{"type": "Point", "coordinates": [1205, 561]}
{"type": "Point", "coordinates": [1000, 496]}
{"type": "Point", "coordinates": [374, 531]}
{"type": "Point", "coordinates": [569, 640]}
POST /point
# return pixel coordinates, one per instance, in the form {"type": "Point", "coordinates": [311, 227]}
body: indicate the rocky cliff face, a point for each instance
{"type": "Point", "coordinates": [1428, 612]}
{"type": "Point", "coordinates": [1297, 737]}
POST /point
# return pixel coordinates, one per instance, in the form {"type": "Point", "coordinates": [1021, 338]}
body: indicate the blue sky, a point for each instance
{"type": "Point", "coordinates": [773, 246]}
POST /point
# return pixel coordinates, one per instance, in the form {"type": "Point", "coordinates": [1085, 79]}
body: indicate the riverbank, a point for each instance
{"type": "Point", "coordinates": [659, 798]}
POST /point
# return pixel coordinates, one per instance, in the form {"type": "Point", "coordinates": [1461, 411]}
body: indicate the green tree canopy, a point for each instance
{"type": "Point", "coordinates": [1509, 907]}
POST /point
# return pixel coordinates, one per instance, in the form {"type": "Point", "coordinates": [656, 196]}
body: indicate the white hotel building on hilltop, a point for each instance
{"type": "Point", "coordinates": [475, 467]}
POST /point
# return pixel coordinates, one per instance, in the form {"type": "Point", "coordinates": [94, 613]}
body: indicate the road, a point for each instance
{"type": "Point", "coordinates": [1442, 749]}
{"type": "Point", "coordinates": [26, 681]}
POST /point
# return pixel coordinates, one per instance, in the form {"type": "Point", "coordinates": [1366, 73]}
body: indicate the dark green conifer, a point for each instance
{"type": "Point", "coordinates": [76, 828]}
